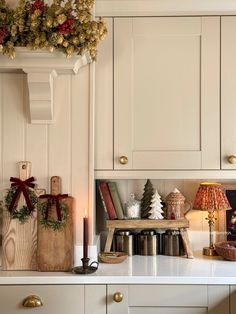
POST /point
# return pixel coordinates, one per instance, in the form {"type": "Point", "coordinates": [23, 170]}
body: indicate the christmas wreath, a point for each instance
{"type": "Point", "coordinates": [61, 208]}
{"type": "Point", "coordinates": [67, 26]}
{"type": "Point", "coordinates": [11, 203]}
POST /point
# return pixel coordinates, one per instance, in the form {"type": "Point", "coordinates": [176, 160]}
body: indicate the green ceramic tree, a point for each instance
{"type": "Point", "coordinates": [146, 199]}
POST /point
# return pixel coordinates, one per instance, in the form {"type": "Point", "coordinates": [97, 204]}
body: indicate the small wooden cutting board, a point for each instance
{"type": "Point", "coordinates": [55, 247]}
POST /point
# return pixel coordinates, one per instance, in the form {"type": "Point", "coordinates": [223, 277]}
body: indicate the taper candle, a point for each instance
{"type": "Point", "coordinates": [85, 234]}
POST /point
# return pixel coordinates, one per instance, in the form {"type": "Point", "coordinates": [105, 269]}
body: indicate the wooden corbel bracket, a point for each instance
{"type": "Point", "coordinates": [42, 67]}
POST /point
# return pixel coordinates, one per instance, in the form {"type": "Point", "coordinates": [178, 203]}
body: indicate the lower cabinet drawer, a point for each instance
{"type": "Point", "coordinates": [64, 299]}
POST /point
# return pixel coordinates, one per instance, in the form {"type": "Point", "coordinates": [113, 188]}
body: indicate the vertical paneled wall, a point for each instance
{"type": "Point", "coordinates": [60, 148]}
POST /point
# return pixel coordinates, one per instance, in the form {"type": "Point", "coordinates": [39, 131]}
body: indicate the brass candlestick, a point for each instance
{"type": "Point", "coordinates": [210, 250]}
{"type": "Point", "coordinates": [85, 269]}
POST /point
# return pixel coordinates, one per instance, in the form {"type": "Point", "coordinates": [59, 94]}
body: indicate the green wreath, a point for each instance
{"type": "Point", "coordinates": [23, 213]}
{"type": "Point", "coordinates": [56, 225]}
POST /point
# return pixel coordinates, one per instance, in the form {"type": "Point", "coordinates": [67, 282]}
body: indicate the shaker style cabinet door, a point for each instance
{"type": "Point", "coordinates": [166, 93]}
{"type": "Point", "coordinates": [167, 299]}
{"type": "Point", "coordinates": [228, 92]}
{"type": "Point", "coordinates": [103, 117]}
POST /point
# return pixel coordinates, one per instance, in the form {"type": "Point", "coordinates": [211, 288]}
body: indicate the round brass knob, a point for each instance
{"type": "Point", "coordinates": [232, 159]}
{"type": "Point", "coordinates": [123, 160]}
{"type": "Point", "coordinates": [118, 297]}
{"type": "Point", "coordinates": [32, 301]}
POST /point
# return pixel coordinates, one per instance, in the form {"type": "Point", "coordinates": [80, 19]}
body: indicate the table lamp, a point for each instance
{"type": "Point", "coordinates": [210, 197]}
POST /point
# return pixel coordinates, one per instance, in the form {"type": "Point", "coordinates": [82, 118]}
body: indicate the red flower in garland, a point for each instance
{"type": "Point", "coordinates": [38, 5]}
{"type": "Point", "coordinates": [66, 28]}
{"type": "Point", "coordinates": [3, 34]}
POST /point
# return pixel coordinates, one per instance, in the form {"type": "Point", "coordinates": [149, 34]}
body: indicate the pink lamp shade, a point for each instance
{"type": "Point", "coordinates": [211, 197]}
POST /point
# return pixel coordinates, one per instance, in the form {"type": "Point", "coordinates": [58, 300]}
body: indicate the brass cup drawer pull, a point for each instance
{"type": "Point", "coordinates": [118, 297]}
{"type": "Point", "coordinates": [232, 159]}
{"type": "Point", "coordinates": [32, 301]}
{"type": "Point", "coordinates": [123, 160]}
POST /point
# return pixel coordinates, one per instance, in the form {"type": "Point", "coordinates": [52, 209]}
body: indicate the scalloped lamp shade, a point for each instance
{"type": "Point", "coordinates": [210, 197]}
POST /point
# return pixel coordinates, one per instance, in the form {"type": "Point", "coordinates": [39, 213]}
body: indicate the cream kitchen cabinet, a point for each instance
{"type": "Point", "coordinates": [53, 299]}
{"type": "Point", "coordinates": [228, 91]}
{"type": "Point", "coordinates": [103, 119]}
{"type": "Point", "coordinates": [166, 75]}
{"type": "Point", "coordinates": [168, 299]}
{"type": "Point", "coordinates": [232, 299]}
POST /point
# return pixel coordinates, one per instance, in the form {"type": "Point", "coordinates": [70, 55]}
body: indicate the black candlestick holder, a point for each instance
{"type": "Point", "coordinates": [85, 269]}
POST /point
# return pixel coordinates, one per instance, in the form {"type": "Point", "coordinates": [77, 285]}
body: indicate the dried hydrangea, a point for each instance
{"type": "Point", "coordinates": [67, 26]}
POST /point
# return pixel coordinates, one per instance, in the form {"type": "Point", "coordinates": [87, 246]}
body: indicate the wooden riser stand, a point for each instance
{"type": "Point", "coordinates": [181, 225]}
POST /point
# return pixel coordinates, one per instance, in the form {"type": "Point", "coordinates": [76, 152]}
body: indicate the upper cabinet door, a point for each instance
{"type": "Point", "coordinates": [166, 93]}
{"type": "Point", "coordinates": [228, 92]}
{"type": "Point", "coordinates": [103, 118]}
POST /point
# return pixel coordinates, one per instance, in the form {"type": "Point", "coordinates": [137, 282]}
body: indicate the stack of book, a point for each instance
{"type": "Point", "coordinates": [110, 199]}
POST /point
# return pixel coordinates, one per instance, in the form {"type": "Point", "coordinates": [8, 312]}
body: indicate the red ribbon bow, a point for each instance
{"type": "Point", "coordinates": [54, 199]}
{"type": "Point", "coordinates": [22, 186]}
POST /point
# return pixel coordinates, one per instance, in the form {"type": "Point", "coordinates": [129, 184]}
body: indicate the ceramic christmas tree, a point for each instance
{"type": "Point", "coordinates": [156, 207]}
{"type": "Point", "coordinates": [146, 199]}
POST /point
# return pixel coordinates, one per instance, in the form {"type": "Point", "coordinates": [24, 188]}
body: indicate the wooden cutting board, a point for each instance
{"type": "Point", "coordinates": [56, 248]}
{"type": "Point", "coordinates": [19, 240]}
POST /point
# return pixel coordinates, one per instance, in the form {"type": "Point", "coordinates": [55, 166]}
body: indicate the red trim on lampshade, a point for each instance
{"type": "Point", "coordinates": [211, 197]}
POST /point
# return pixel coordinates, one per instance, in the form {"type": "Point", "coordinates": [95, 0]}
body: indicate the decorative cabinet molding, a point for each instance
{"type": "Point", "coordinates": [42, 67]}
{"type": "Point", "coordinates": [40, 87]}
{"type": "Point", "coordinates": [163, 174]}
{"type": "Point", "coordinates": [164, 7]}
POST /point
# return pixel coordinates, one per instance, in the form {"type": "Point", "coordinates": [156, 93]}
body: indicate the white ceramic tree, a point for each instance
{"type": "Point", "coordinates": [156, 207]}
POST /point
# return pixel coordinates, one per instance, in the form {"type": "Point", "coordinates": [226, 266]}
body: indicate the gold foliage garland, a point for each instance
{"type": "Point", "coordinates": [67, 26]}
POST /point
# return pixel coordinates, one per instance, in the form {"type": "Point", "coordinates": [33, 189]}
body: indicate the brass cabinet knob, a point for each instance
{"type": "Point", "coordinates": [232, 159]}
{"type": "Point", "coordinates": [32, 301]}
{"type": "Point", "coordinates": [123, 160]}
{"type": "Point", "coordinates": [118, 297]}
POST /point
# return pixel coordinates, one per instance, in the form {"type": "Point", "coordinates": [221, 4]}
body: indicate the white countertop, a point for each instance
{"type": "Point", "coordinates": [138, 270]}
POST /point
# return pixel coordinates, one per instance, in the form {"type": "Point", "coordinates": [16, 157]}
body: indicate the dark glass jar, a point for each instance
{"type": "Point", "coordinates": [148, 242]}
{"type": "Point", "coordinates": [171, 243]}
{"type": "Point", "coordinates": [124, 242]}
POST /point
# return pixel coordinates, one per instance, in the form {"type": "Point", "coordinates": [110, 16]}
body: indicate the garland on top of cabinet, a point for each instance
{"type": "Point", "coordinates": [67, 26]}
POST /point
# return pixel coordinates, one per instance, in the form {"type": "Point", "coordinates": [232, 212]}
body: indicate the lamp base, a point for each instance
{"type": "Point", "coordinates": [209, 251]}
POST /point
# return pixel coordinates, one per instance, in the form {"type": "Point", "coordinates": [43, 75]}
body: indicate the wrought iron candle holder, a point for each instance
{"type": "Point", "coordinates": [85, 269]}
